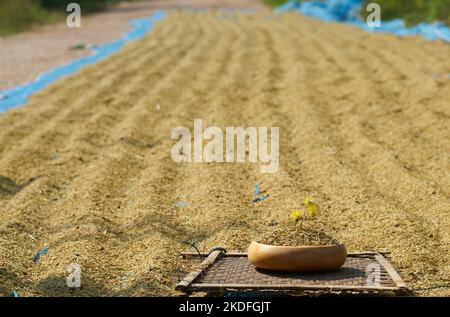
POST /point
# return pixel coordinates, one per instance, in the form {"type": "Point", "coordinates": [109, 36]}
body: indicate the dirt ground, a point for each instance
{"type": "Point", "coordinates": [27, 55]}
{"type": "Point", "coordinates": [364, 128]}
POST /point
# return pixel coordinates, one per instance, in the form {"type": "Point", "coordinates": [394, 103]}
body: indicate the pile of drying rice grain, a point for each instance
{"type": "Point", "coordinates": [295, 235]}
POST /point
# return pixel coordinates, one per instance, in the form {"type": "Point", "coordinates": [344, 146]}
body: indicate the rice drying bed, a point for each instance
{"type": "Point", "coordinates": [86, 170]}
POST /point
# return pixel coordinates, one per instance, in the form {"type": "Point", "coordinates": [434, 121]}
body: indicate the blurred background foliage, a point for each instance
{"type": "Point", "coordinates": [87, 5]}
{"type": "Point", "coordinates": [412, 11]}
{"type": "Point", "coordinates": [274, 3]}
{"type": "Point", "coordinates": [21, 15]}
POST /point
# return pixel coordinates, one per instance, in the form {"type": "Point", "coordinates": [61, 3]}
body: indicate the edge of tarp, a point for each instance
{"type": "Point", "coordinates": [346, 11]}
{"type": "Point", "coordinates": [18, 95]}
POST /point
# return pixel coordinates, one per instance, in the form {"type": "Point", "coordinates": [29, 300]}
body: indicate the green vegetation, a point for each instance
{"type": "Point", "coordinates": [86, 5]}
{"type": "Point", "coordinates": [413, 11]}
{"type": "Point", "coordinates": [274, 3]}
{"type": "Point", "coordinates": [20, 15]}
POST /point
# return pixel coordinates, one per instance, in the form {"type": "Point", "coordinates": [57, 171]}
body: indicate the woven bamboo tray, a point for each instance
{"type": "Point", "coordinates": [231, 272]}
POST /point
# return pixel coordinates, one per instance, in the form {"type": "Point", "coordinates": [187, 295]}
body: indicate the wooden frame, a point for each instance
{"type": "Point", "coordinates": [188, 284]}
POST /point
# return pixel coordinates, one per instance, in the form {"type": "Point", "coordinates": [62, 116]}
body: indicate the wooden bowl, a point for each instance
{"type": "Point", "coordinates": [297, 259]}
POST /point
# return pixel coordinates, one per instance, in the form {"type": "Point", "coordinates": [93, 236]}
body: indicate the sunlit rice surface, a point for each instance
{"type": "Point", "coordinates": [364, 128]}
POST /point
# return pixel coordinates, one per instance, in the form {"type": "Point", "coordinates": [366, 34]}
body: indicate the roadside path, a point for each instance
{"type": "Point", "coordinates": [25, 56]}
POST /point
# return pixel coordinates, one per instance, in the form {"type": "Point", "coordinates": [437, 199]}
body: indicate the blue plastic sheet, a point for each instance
{"type": "Point", "coordinates": [257, 197]}
{"type": "Point", "coordinates": [347, 11]}
{"type": "Point", "coordinates": [38, 255]}
{"type": "Point", "coordinates": [18, 95]}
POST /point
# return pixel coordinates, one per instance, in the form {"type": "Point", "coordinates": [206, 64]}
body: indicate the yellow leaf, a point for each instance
{"type": "Point", "coordinates": [312, 209]}
{"type": "Point", "coordinates": [307, 200]}
{"type": "Point", "coordinates": [296, 214]}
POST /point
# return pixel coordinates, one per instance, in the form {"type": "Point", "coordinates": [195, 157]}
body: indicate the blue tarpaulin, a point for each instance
{"type": "Point", "coordinates": [18, 95]}
{"type": "Point", "coordinates": [347, 11]}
